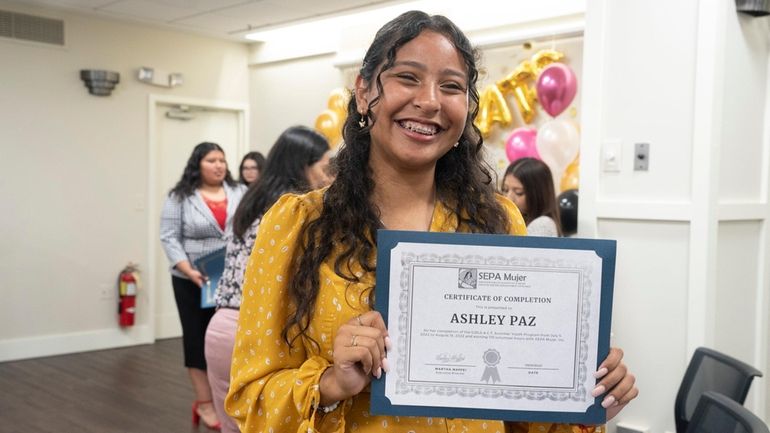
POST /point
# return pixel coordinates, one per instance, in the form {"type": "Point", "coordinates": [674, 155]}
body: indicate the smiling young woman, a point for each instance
{"type": "Point", "coordinates": [422, 109]}
{"type": "Point", "coordinates": [308, 339]}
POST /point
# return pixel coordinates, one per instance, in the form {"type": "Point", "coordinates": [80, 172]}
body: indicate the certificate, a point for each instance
{"type": "Point", "coordinates": [493, 326]}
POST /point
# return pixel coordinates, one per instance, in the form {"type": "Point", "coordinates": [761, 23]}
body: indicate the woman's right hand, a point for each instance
{"type": "Point", "coordinates": [359, 353]}
{"type": "Point", "coordinates": [196, 277]}
{"type": "Point", "coordinates": [193, 274]}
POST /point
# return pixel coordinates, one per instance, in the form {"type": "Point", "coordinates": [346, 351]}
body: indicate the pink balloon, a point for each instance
{"type": "Point", "coordinates": [522, 143]}
{"type": "Point", "coordinates": [556, 88]}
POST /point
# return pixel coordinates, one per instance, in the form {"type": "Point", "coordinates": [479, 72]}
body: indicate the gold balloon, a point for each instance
{"type": "Point", "coordinates": [521, 74]}
{"type": "Point", "coordinates": [329, 125]}
{"type": "Point", "coordinates": [338, 101]}
{"type": "Point", "coordinates": [543, 58]}
{"type": "Point", "coordinates": [516, 83]}
{"type": "Point", "coordinates": [492, 109]}
{"type": "Point", "coordinates": [525, 99]}
{"type": "Point", "coordinates": [571, 177]}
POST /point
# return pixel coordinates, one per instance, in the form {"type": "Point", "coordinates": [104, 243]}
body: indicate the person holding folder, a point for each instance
{"type": "Point", "coordinates": [309, 342]}
{"type": "Point", "coordinates": [196, 215]}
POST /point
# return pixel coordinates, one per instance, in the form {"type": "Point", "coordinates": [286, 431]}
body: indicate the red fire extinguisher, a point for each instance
{"type": "Point", "coordinates": [128, 281]}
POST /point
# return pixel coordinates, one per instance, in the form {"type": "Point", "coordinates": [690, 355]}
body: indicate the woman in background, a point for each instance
{"type": "Point", "coordinates": [298, 162]}
{"type": "Point", "coordinates": [529, 184]}
{"type": "Point", "coordinates": [252, 165]}
{"type": "Point", "coordinates": [196, 215]}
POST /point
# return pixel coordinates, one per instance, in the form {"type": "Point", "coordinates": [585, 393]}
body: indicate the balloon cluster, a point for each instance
{"type": "Point", "coordinates": [556, 141]}
{"type": "Point", "coordinates": [329, 122]}
{"type": "Point", "coordinates": [493, 108]}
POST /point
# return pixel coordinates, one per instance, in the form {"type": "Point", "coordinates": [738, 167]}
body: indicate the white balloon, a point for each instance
{"type": "Point", "coordinates": [558, 142]}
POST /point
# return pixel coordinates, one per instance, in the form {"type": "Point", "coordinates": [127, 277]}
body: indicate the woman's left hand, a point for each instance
{"type": "Point", "coordinates": [616, 383]}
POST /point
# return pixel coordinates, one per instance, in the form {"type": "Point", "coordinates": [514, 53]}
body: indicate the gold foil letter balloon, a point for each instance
{"type": "Point", "coordinates": [492, 109]}
{"type": "Point", "coordinates": [543, 58]}
{"type": "Point", "coordinates": [516, 83]}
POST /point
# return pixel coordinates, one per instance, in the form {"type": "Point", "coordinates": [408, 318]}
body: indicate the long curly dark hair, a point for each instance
{"type": "Point", "coordinates": [349, 219]}
{"type": "Point", "coordinates": [191, 177]}
{"type": "Point", "coordinates": [296, 149]}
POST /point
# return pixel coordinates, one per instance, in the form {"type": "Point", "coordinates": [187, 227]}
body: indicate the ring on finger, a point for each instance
{"type": "Point", "coordinates": [353, 342]}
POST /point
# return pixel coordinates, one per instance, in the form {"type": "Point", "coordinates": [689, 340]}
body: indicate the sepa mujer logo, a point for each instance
{"type": "Point", "coordinates": [466, 278]}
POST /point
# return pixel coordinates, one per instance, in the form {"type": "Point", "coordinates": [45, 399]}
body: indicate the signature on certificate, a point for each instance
{"type": "Point", "coordinates": [450, 357]}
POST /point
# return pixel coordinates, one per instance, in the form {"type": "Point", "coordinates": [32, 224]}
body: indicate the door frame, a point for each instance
{"type": "Point", "coordinates": [153, 211]}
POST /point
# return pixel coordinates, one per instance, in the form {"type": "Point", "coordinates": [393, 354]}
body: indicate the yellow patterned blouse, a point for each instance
{"type": "Point", "coordinates": [274, 388]}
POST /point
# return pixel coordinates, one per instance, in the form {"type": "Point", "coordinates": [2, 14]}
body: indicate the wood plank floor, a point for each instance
{"type": "Point", "coordinates": [141, 389]}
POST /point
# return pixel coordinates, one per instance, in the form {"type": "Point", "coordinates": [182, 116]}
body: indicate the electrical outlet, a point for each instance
{"type": "Point", "coordinates": [106, 292]}
{"type": "Point", "coordinates": [641, 156]}
{"type": "Point", "coordinates": [611, 156]}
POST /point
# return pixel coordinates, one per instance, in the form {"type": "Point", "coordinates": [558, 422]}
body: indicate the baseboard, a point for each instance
{"type": "Point", "coordinates": [62, 344]}
{"type": "Point", "coordinates": [167, 326]}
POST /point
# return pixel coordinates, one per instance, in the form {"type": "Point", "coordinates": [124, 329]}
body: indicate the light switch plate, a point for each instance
{"type": "Point", "coordinates": [611, 156]}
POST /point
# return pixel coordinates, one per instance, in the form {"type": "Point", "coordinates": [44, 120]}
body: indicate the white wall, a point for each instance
{"type": "Point", "coordinates": [689, 78]}
{"type": "Point", "coordinates": [75, 173]}
{"type": "Point", "coordinates": [288, 93]}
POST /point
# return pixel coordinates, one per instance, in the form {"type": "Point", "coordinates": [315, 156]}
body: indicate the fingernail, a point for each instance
{"type": "Point", "coordinates": [388, 345]}
{"type": "Point", "coordinates": [378, 373]}
{"type": "Point", "coordinates": [599, 390]}
{"type": "Point", "coordinates": [608, 401]}
{"type": "Point", "coordinates": [616, 403]}
{"type": "Point", "coordinates": [385, 365]}
{"type": "Point", "coordinates": [601, 372]}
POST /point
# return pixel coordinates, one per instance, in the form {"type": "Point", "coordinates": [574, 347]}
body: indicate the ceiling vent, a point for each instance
{"type": "Point", "coordinates": [31, 28]}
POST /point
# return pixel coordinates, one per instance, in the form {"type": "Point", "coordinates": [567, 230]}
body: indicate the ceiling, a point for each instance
{"type": "Point", "coordinates": [230, 19]}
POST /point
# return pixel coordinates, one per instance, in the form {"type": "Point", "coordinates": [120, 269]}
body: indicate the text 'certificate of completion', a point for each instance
{"type": "Point", "coordinates": [493, 326]}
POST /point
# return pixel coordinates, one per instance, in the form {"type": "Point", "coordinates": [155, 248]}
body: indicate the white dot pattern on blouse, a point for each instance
{"type": "Point", "coordinates": [274, 388]}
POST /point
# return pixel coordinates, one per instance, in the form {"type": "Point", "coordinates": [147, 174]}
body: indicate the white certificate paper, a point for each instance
{"type": "Point", "coordinates": [496, 327]}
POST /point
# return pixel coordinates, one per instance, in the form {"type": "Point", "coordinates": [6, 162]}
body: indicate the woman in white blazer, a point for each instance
{"type": "Point", "coordinates": [195, 218]}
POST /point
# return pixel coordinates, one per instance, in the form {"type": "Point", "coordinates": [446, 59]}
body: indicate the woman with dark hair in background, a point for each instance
{"type": "Point", "coordinates": [297, 163]}
{"type": "Point", "coordinates": [251, 167]}
{"type": "Point", "coordinates": [529, 184]}
{"type": "Point", "coordinates": [308, 340]}
{"type": "Point", "coordinates": [196, 215]}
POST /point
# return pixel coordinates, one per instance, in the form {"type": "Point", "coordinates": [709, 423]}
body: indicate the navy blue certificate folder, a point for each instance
{"type": "Point", "coordinates": [212, 265]}
{"type": "Point", "coordinates": [388, 240]}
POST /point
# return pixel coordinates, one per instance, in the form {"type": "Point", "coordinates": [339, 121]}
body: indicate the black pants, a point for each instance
{"type": "Point", "coordinates": [194, 320]}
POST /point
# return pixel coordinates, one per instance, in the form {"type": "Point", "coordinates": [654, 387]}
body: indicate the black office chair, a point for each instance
{"type": "Point", "coordinates": [710, 370]}
{"type": "Point", "coordinates": [716, 413]}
